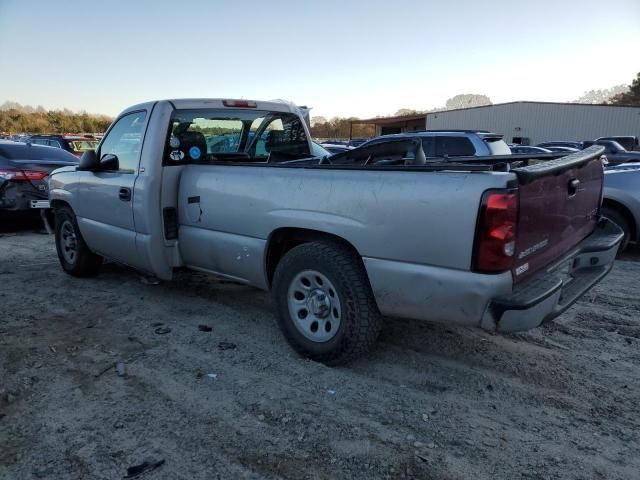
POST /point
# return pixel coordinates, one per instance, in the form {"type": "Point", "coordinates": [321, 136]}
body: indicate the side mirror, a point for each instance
{"type": "Point", "coordinates": [109, 161]}
{"type": "Point", "coordinates": [88, 161]}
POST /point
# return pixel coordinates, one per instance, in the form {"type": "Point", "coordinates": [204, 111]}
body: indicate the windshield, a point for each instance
{"type": "Point", "coordinates": [319, 150]}
{"type": "Point", "coordinates": [612, 146]}
{"type": "Point", "coordinates": [221, 134]}
{"type": "Point", "coordinates": [497, 146]}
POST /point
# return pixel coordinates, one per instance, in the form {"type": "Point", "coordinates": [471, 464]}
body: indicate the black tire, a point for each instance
{"type": "Point", "coordinates": [84, 263]}
{"type": "Point", "coordinates": [360, 319]}
{"type": "Point", "coordinates": [618, 218]}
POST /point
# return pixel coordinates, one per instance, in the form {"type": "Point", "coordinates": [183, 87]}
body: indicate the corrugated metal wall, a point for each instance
{"type": "Point", "coordinates": [541, 122]}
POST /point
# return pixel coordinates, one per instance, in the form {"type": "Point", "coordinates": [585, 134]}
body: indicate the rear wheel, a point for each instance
{"type": "Point", "coordinates": [74, 255]}
{"type": "Point", "coordinates": [324, 303]}
{"type": "Point", "coordinates": [617, 217]}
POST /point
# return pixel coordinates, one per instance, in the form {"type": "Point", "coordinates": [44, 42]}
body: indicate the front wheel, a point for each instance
{"type": "Point", "coordinates": [324, 303]}
{"type": "Point", "coordinates": [75, 257]}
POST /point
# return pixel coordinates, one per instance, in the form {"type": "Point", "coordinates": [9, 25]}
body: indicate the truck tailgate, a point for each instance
{"type": "Point", "coordinates": [559, 202]}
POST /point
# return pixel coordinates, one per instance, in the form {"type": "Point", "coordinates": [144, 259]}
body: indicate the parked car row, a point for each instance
{"type": "Point", "coordinates": [75, 144]}
{"type": "Point", "coordinates": [629, 143]}
{"type": "Point", "coordinates": [621, 193]}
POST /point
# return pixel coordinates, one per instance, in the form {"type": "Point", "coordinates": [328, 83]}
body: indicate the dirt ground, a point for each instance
{"type": "Point", "coordinates": [430, 402]}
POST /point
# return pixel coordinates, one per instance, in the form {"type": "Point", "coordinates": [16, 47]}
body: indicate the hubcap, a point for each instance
{"type": "Point", "coordinates": [68, 242]}
{"type": "Point", "coordinates": [314, 306]}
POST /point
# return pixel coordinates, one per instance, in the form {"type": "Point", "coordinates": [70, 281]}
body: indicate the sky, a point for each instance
{"type": "Point", "coordinates": [342, 58]}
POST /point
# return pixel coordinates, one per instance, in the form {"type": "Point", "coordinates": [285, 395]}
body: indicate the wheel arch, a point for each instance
{"type": "Point", "coordinates": [625, 212]}
{"type": "Point", "coordinates": [57, 203]}
{"type": "Point", "coordinates": [283, 239]}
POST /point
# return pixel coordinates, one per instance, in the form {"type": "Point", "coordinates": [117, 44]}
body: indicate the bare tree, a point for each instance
{"type": "Point", "coordinates": [630, 96]}
{"type": "Point", "coordinates": [405, 111]}
{"type": "Point", "coordinates": [602, 95]}
{"type": "Point", "coordinates": [466, 100]}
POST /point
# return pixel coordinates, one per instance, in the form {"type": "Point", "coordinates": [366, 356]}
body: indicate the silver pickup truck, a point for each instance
{"type": "Point", "coordinates": [230, 187]}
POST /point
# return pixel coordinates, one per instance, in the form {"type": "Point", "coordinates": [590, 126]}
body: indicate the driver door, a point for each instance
{"type": "Point", "coordinates": [105, 211]}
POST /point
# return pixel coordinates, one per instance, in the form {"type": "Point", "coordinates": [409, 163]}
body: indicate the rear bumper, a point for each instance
{"type": "Point", "coordinates": [551, 292]}
{"type": "Point", "coordinates": [19, 196]}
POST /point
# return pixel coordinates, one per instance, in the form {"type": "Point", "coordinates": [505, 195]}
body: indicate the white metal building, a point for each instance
{"type": "Point", "coordinates": [536, 122]}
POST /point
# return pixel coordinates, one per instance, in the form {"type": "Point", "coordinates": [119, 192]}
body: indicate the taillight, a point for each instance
{"type": "Point", "coordinates": [23, 175]}
{"type": "Point", "coordinates": [496, 235]}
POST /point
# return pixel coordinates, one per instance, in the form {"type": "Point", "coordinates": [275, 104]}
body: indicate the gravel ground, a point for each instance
{"type": "Point", "coordinates": [430, 402]}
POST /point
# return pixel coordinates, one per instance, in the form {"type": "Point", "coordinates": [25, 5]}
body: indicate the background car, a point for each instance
{"type": "Point", "coordinates": [75, 144]}
{"type": "Point", "coordinates": [576, 145]}
{"type": "Point", "coordinates": [557, 148]}
{"type": "Point", "coordinates": [452, 143]}
{"type": "Point", "coordinates": [319, 151]}
{"type": "Point", "coordinates": [24, 171]}
{"type": "Point", "coordinates": [356, 142]}
{"type": "Point", "coordinates": [335, 148]}
{"type": "Point", "coordinates": [525, 149]}
{"type": "Point", "coordinates": [629, 142]}
{"type": "Point", "coordinates": [615, 153]}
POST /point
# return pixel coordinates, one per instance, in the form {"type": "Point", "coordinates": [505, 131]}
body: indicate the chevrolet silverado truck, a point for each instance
{"type": "Point", "coordinates": [230, 187]}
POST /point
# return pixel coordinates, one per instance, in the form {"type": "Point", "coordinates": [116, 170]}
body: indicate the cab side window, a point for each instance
{"type": "Point", "coordinates": [124, 140]}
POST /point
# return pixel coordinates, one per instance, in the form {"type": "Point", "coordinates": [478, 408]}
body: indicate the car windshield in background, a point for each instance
{"type": "Point", "coordinates": [220, 134]}
{"type": "Point", "coordinates": [615, 145]}
{"type": "Point", "coordinates": [83, 145]}
{"type": "Point", "coordinates": [319, 150]}
{"type": "Point", "coordinates": [20, 151]}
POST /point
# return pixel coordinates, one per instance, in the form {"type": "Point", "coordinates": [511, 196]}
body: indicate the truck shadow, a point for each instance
{"type": "Point", "coordinates": [533, 358]}
{"type": "Point", "coordinates": [20, 222]}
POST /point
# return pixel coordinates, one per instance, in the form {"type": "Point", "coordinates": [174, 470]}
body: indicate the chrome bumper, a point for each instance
{"type": "Point", "coordinates": [551, 292]}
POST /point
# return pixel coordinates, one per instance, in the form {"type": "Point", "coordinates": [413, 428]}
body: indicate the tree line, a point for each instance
{"type": "Point", "coordinates": [16, 118]}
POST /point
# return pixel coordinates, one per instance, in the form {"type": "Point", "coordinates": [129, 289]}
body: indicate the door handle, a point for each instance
{"type": "Point", "coordinates": [573, 186]}
{"type": "Point", "coordinates": [125, 194]}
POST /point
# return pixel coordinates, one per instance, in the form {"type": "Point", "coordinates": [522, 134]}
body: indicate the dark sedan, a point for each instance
{"type": "Point", "coordinates": [75, 144]}
{"type": "Point", "coordinates": [525, 149]}
{"type": "Point", "coordinates": [555, 148]}
{"type": "Point", "coordinates": [24, 169]}
{"type": "Point", "coordinates": [576, 145]}
{"type": "Point", "coordinates": [333, 148]}
{"type": "Point", "coordinates": [616, 153]}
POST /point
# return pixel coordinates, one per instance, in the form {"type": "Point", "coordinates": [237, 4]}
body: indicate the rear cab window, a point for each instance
{"type": "Point", "coordinates": [219, 135]}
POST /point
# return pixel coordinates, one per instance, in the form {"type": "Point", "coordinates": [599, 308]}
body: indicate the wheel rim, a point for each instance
{"type": "Point", "coordinates": [314, 306]}
{"type": "Point", "coordinates": [68, 242]}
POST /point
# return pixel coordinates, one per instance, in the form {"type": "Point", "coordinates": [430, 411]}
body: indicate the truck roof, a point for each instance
{"type": "Point", "coordinates": [197, 103]}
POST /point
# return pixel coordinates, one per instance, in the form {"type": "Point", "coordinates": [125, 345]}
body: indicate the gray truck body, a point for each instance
{"type": "Point", "coordinates": [414, 231]}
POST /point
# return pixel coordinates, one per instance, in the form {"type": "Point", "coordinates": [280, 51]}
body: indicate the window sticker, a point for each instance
{"type": "Point", "coordinates": [174, 142]}
{"type": "Point", "coordinates": [176, 155]}
{"type": "Point", "coordinates": [194, 152]}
